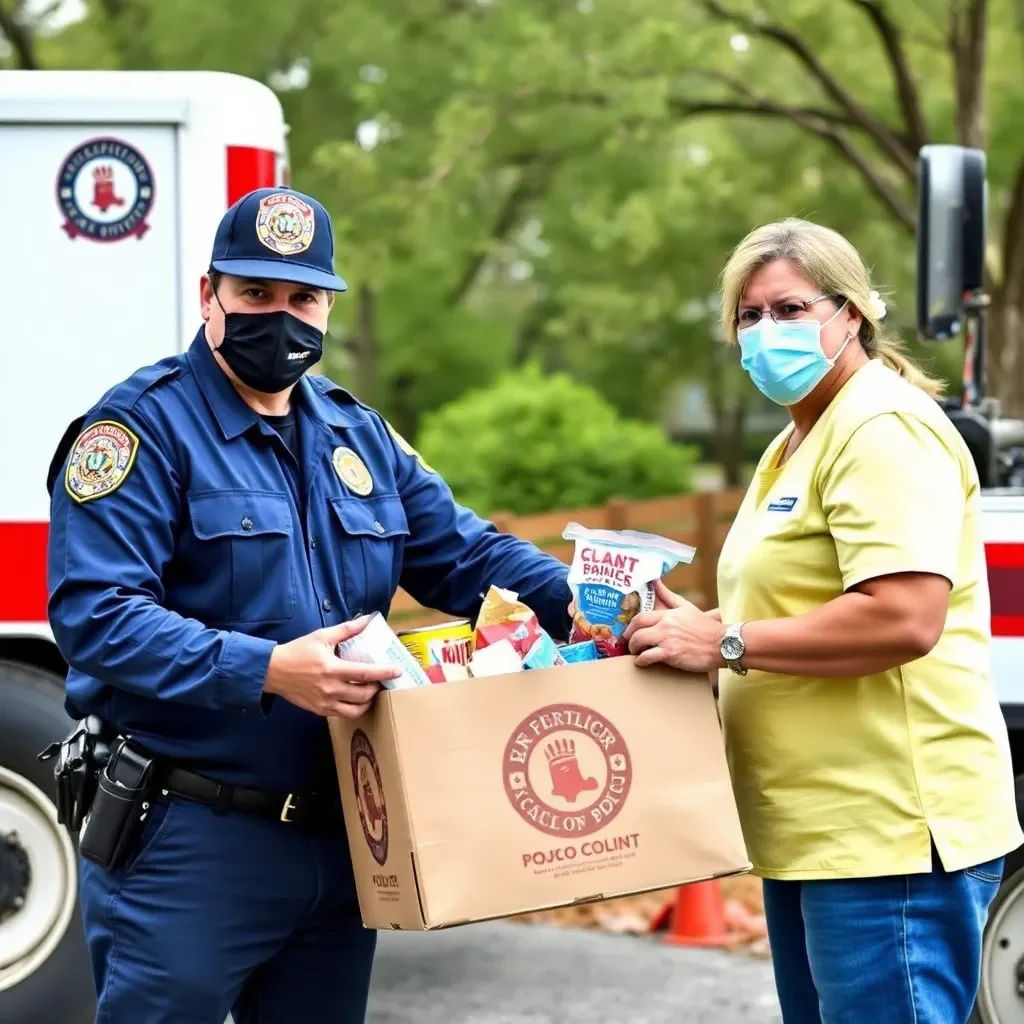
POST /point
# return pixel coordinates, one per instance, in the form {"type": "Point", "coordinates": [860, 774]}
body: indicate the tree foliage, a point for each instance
{"type": "Point", "coordinates": [561, 183]}
{"type": "Point", "coordinates": [535, 441]}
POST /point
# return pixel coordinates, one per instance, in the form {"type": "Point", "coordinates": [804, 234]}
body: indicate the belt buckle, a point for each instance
{"type": "Point", "coordinates": [289, 806]}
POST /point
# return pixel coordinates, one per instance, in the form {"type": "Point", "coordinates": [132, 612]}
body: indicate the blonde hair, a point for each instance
{"type": "Point", "coordinates": [825, 257]}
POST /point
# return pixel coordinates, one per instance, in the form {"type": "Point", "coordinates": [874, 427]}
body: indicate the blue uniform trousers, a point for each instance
{"type": "Point", "coordinates": [213, 913]}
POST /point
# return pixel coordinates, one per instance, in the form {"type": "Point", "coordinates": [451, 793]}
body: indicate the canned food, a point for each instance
{"type": "Point", "coordinates": [449, 643]}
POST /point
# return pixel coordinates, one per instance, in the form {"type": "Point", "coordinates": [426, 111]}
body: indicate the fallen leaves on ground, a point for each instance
{"type": "Point", "coordinates": [743, 909]}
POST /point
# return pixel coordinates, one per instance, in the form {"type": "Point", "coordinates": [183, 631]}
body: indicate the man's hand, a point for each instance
{"type": "Point", "coordinates": [310, 675]}
{"type": "Point", "coordinates": [677, 634]}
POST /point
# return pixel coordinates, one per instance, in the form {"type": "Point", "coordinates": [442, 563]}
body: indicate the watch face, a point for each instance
{"type": "Point", "coordinates": [732, 648]}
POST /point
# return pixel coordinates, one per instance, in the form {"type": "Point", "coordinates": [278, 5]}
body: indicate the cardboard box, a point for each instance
{"type": "Point", "coordinates": [490, 797]}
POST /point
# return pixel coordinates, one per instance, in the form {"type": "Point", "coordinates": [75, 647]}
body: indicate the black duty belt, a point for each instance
{"type": "Point", "coordinates": [310, 810]}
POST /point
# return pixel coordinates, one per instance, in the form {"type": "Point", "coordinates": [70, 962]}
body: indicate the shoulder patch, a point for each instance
{"type": "Point", "coordinates": [100, 461]}
{"type": "Point", "coordinates": [408, 449]}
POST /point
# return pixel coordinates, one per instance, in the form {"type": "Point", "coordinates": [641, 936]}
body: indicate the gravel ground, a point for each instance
{"type": "Point", "coordinates": [517, 974]}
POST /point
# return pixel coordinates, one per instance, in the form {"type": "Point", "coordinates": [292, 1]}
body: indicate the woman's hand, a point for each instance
{"type": "Point", "coordinates": [678, 634]}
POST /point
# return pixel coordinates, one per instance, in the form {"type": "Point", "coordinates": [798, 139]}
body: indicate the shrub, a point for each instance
{"type": "Point", "coordinates": [534, 442]}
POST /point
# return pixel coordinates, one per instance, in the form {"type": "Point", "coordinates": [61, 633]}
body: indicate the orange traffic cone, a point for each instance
{"type": "Point", "coordinates": [695, 916]}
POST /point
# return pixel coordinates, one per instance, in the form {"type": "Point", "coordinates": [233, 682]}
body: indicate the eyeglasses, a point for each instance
{"type": "Point", "coordinates": [785, 309]}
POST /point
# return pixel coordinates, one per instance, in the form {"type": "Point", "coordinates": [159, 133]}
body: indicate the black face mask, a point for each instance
{"type": "Point", "coordinates": [269, 352]}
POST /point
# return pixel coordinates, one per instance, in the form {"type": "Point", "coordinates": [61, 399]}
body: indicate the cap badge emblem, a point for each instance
{"type": "Point", "coordinates": [285, 224]}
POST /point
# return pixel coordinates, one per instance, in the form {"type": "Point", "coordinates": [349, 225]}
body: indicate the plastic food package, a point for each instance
{"type": "Point", "coordinates": [543, 654]}
{"type": "Point", "coordinates": [573, 653]}
{"type": "Point", "coordinates": [498, 659]}
{"type": "Point", "coordinates": [377, 644]}
{"type": "Point", "coordinates": [612, 580]}
{"type": "Point", "coordinates": [504, 617]}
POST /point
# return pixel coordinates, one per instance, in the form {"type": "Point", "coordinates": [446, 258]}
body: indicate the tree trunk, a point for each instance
{"type": "Point", "coordinates": [366, 344]}
{"type": "Point", "coordinates": [730, 435]}
{"type": "Point", "coordinates": [18, 35]}
{"type": "Point", "coordinates": [403, 405]}
{"type": "Point", "coordinates": [1004, 366]}
{"type": "Point", "coordinates": [968, 27]}
{"type": "Point", "coordinates": [729, 411]}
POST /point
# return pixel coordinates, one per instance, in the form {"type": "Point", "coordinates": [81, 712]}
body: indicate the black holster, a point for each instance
{"type": "Point", "coordinates": [81, 757]}
{"type": "Point", "coordinates": [120, 807]}
{"type": "Point", "coordinates": [105, 784]}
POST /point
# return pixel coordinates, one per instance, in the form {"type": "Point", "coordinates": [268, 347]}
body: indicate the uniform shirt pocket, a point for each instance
{"type": "Point", "coordinates": [375, 531]}
{"type": "Point", "coordinates": [245, 546]}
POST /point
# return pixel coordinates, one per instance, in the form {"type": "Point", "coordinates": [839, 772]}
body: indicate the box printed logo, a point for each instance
{"type": "Point", "coordinates": [373, 812]}
{"type": "Point", "coordinates": [567, 770]}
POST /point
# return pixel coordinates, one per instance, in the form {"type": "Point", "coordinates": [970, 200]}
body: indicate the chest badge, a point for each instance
{"type": "Point", "coordinates": [352, 471]}
{"type": "Point", "coordinates": [782, 505]}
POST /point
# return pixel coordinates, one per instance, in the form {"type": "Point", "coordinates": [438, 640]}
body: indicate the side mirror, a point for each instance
{"type": "Point", "coordinates": [952, 209]}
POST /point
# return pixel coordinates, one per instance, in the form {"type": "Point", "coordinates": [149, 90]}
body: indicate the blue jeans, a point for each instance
{"type": "Point", "coordinates": [903, 949]}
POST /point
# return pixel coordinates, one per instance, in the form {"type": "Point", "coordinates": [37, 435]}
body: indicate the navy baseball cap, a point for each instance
{"type": "Point", "coordinates": [278, 234]}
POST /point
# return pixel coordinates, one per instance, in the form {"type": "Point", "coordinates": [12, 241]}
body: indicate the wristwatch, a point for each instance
{"type": "Point", "coordinates": [732, 648]}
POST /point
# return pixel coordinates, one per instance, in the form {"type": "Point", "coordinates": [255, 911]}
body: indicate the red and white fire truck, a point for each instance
{"type": "Point", "coordinates": [114, 183]}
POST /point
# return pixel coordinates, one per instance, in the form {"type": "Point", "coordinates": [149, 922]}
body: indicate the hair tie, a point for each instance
{"type": "Point", "coordinates": [876, 305]}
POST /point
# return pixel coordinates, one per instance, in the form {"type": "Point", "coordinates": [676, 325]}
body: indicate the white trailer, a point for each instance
{"type": "Point", "coordinates": [114, 183]}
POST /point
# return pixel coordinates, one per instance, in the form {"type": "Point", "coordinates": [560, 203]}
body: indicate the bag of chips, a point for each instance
{"type": "Point", "coordinates": [612, 580]}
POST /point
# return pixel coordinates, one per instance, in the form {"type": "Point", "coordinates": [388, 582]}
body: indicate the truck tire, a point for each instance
{"type": "Point", "coordinates": [1001, 995]}
{"type": "Point", "coordinates": [44, 965]}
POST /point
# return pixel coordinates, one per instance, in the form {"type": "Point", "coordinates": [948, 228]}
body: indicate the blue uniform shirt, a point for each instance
{"type": "Point", "coordinates": [171, 582]}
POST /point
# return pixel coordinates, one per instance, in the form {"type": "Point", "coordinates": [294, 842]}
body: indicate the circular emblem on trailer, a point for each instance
{"type": "Point", "coordinates": [105, 190]}
{"type": "Point", "coordinates": [373, 814]}
{"type": "Point", "coordinates": [285, 223]}
{"type": "Point", "coordinates": [567, 770]}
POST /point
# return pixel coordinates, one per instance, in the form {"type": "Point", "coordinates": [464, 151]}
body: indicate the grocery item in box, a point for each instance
{"type": "Point", "coordinates": [612, 580]}
{"type": "Point", "coordinates": [498, 659]}
{"type": "Point", "coordinates": [454, 650]}
{"type": "Point", "coordinates": [584, 651]}
{"type": "Point", "coordinates": [377, 644]}
{"type": "Point", "coordinates": [446, 673]}
{"type": "Point", "coordinates": [543, 654]}
{"type": "Point", "coordinates": [429, 644]}
{"type": "Point", "coordinates": [504, 617]}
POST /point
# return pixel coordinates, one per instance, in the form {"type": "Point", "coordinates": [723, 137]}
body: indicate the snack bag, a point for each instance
{"type": "Point", "coordinates": [612, 580]}
{"type": "Point", "coordinates": [504, 617]}
{"type": "Point", "coordinates": [543, 654]}
{"type": "Point", "coordinates": [574, 653]}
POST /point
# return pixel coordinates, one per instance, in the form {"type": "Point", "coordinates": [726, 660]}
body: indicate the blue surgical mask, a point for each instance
{"type": "Point", "coordinates": [785, 360]}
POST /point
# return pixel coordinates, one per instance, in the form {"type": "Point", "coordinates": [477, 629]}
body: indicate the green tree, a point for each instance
{"type": "Point", "coordinates": [874, 81]}
{"type": "Point", "coordinates": [535, 441]}
{"type": "Point", "coordinates": [562, 183]}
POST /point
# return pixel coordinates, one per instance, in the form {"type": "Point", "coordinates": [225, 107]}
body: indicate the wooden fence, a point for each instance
{"type": "Point", "coordinates": [701, 520]}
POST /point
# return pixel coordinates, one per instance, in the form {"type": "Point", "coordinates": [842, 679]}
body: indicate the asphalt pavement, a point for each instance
{"type": "Point", "coordinates": [533, 974]}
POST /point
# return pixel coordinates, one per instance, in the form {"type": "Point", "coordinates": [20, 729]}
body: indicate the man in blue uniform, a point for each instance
{"type": "Point", "coordinates": [222, 523]}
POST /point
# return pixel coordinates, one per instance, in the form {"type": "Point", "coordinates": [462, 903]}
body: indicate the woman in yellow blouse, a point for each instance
{"type": "Point", "coordinates": [868, 753]}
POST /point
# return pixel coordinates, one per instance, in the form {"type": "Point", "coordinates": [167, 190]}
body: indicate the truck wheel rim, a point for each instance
{"type": "Point", "coordinates": [1002, 967]}
{"type": "Point", "coordinates": [31, 930]}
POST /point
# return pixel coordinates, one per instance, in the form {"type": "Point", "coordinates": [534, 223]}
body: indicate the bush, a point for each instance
{"type": "Point", "coordinates": [533, 442]}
